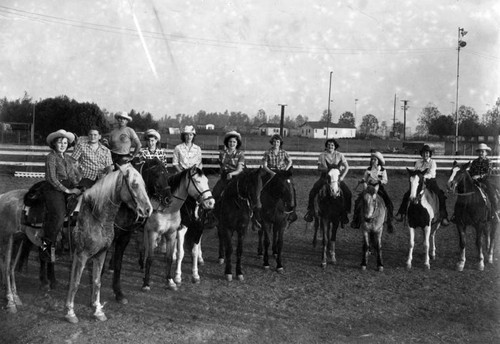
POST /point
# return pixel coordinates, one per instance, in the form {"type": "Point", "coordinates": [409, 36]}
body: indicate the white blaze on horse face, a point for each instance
{"type": "Point", "coordinates": [414, 181]}
{"type": "Point", "coordinates": [202, 191]}
{"type": "Point", "coordinates": [333, 175]}
{"type": "Point", "coordinates": [451, 182]}
{"type": "Point", "coordinates": [137, 189]}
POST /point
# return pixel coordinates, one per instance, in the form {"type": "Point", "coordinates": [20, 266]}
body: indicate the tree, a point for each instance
{"type": "Point", "coordinates": [326, 117]}
{"type": "Point", "coordinates": [491, 120]}
{"type": "Point", "coordinates": [299, 120]}
{"type": "Point", "coordinates": [20, 110]}
{"type": "Point", "coordinates": [260, 118]}
{"type": "Point", "coordinates": [398, 129]}
{"type": "Point", "coordinates": [347, 119]}
{"type": "Point", "coordinates": [443, 125]}
{"type": "Point", "coordinates": [369, 125]}
{"type": "Point", "coordinates": [429, 114]}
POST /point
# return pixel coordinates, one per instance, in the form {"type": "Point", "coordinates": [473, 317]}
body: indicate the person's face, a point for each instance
{"type": "Point", "coordinates": [94, 136]}
{"type": "Point", "coordinates": [122, 122]}
{"type": "Point", "coordinates": [426, 155]}
{"type": "Point", "coordinates": [232, 143]}
{"type": "Point", "coordinates": [276, 143]}
{"type": "Point", "coordinates": [482, 153]}
{"type": "Point", "coordinates": [189, 137]}
{"type": "Point", "coordinates": [330, 146]}
{"type": "Point", "coordinates": [61, 145]}
{"type": "Point", "coordinates": [151, 142]}
{"type": "Point", "coordinates": [373, 161]}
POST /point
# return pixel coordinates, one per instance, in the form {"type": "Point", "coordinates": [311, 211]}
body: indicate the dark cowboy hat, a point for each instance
{"type": "Point", "coordinates": [276, 137]}
{"type": "Point", "coordinates": [426, 148]}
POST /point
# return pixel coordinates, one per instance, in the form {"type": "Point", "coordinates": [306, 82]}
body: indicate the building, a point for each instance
{"type": "Point", "coordinates": [269, 129]}
{"type": "Point", "coordinates": [323, 130]}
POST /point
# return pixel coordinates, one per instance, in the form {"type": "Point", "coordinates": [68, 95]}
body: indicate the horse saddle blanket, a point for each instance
{"type": "Point", "coordinates": [33, 216]}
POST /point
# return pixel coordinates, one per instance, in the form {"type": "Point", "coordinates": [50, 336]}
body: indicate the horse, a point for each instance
{"type": "Point", "coordinates": [167, 223]}
{"type": "Point", "coordinates": [472, 208]}
{"type": "Point", "coordinates": [94, 232]}
{"type": "Point", "coordinates": [423, 212]}
{"type": "Point", "coordinates": [328, 207]}
{"type": "Point", "coordinates": [278, 202]}
{"type": "Point", "coordinates": [372, 224]}
{"type": "Point", "coordinates": [239, 201]}
{"type": "Point", "coordinates": [155, 177]}
{"type": "Point", "coordinates": [16, 225]}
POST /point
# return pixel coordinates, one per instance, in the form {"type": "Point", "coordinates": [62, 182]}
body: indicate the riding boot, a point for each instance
{"type": "Point", "coordinates": [47, 251]}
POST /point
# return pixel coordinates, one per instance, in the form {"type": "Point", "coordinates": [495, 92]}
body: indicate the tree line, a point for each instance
{"type": "Point", "coordinates": [51, 114]}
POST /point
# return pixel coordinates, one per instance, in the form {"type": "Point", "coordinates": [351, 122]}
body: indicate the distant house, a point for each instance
{"type": "Point", "coordinates": [269, 129]}
{"type": "Point", "coordinates": [323, 130]}
{"type": "Point", "coordinates": [173, 131]}
{"type": "Point", "coordinates": [205, 126]}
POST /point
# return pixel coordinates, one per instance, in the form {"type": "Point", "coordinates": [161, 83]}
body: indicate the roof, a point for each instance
{"type": "Point", "coordinates": [322, 125]}
{"type": "Point", "coordinates": [270, 125]}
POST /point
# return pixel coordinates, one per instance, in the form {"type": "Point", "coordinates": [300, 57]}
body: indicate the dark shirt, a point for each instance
{"type": "Point", "coordinates": [480, 167]}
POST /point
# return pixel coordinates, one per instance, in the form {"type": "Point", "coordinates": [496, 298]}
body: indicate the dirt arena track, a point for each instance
{"type": "Point", "coordinates": [340, 304]}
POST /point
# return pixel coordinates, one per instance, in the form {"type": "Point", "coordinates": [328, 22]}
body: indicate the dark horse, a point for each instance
{"type": "Point", "coordinates": [278, 202]}
{"type": "Point", "coordinates": [423, 212]}
{"type": "Point", "coordinates": [328, 208]}
{"type": "Point", "coordinates": [155, 177]}
{"type": "Point", "coordinates": [234, 210]}
{"type": "Point", "coordinates": [472, 208]}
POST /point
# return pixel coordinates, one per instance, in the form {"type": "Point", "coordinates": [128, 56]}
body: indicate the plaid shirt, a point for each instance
{"type": "Point", "coordinates": [276, 161]}
{"type": "Point", "coordinates": [229, 161]}
{"type": "Point", "coordinates": [480, 167]}
{"type": "Point", "coordinates": [186, 157]}
{"type": "Point", "coordinates": [159, 153]}
{"type": "Point", "coordinates": [59, 168]}
{"type": "Point", "coordinates": [92, 162]}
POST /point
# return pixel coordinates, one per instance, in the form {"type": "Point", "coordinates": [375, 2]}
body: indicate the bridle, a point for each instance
{"type": "Point", "coordinates": [199, 198]}
{"type": "Point", "coordinates": [461, 177]}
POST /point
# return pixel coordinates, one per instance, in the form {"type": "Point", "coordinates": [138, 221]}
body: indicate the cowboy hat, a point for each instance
{"type": "Point", "coordinates": [379, 157]}
{"type": "Point", "coordinates": [153, 133]}
{"type": "Point", "coordinates": [189, 129]}
{"type": "Point", "coordinates": [60, 133]}
{"type": "Point", "coordinates": [234, 134]}
{"type": "Point", "coordinates": [123, 114]}
{"type": "Point", "coordinates": [483, 146]}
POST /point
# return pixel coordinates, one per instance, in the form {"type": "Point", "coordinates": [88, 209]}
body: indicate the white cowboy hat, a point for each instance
{"type": "Point", "coordinates": [232, 133]}
{"type": "Point", "coordinates": [60, 133]}
{"type": "Point", "coordinates": [189, 129]}
{"type": "Point", "coordinates": [483, 146]}
{"type": "Point", "coordinates": [379, 156]}
{"type": "Point", "coordinates": [152, 132]}
{"type": "Point", "coordinates": [123, 114]}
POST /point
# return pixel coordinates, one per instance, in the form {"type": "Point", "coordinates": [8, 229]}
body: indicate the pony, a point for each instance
{"type": "Point", "coordinates": [167, 223]}
{"type": "Point", "coordinates": [472, 208]}
{"type": "Point", "coordinates": [239, 201]}
{"type": "Point", "coordinates": [155, 177]}
{"type": "Point", "coordinates": [18, 225]}
{"type": "Point", "coordinates": [94, 232]}
{"type": "Point", "coordinates": [372, 224]}
{"type": "Point", "coordinates": [278, 202]}
{"type": "Point", "coordinates": [423, 212]}
{"type": "Point", "coordinates": [328, 207]}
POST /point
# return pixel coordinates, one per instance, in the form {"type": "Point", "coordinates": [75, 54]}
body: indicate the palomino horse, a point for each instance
{"type": "Point", "coordinates": [239, 201]}
{"type": "Point", "coordinates": [155, 177]}
{"type": "Point", "coordinates": [278, 202]}
{"type": "Point", "coordinates": [372, 224]}
{"type": "Point", "coordinates": [423, 212]}
{"type": "Point", "coordinates": [472, 208]}
{"type": "Point", "coordinates": [167, 223]}
{"type": "Point", "coordinates": [328, 207]}
{"type": "Point", "coordinates": [94, 232]}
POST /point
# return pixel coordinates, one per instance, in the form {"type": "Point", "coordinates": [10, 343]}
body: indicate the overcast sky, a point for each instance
{"type": "Point", "coordinates": [250, 55]}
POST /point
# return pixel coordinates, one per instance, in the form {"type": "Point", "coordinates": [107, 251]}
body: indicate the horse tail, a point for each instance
{"type": "Point", "coordinates": [25, 245]}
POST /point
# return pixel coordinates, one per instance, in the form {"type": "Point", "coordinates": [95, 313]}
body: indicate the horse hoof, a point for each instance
{"type": "Point", "coordinates": [178, 280]}
{"type": "Point", "coordinates": [146, 288]}
{"type": "Point", "coordinates": [363, 267]}
{"type": "Point", "coordinates": [173, 286]}
{"type": "Point", "coordinates": [266, 267]}
{"type": "Point", "coordinates": [201, 262]}
{"type": "Point", "coordinates": [101, 317]}
{"type": "Point", "coordinates": [381, 269]}
{"type": "Point", "coordinates": [240, 278]}
{"type": "Point", "coordinates": [281, 271]}
{"type": "Point", "coordinates": [427, 266]}
{"type": "Point", "coordinates": [12, 309]}
{"type": "Point", "coordinates": [196, 280]}
{"type": "Point", "coordinates": [408, 266]}
{"type": "Point", "coordinates": [122, 300]}
{"type": "Point", "coordinates": [72, 319]}
{"type": "Point", "coordinates": [221, 261]}
{"type": "Point", "coordinates": [260, 255]}
{"type": "Point", "coordinates": [229, 277]}
{"type": "Point", "coordinates": [17, 301]}
{"type": "Point", "coordinates": [460, 267]}
{"type": "Point", "coordinates": [45, 288]}
{"type": "Point", "coordinates": [480, 266]}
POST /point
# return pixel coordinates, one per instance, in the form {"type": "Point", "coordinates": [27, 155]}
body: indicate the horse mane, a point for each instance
{"type": "Point", "coordinates": [103, 190]}
{"type": "Point", "coordinates": [370, 189]}
{"type": "Point", "coordinates": [175, 180]}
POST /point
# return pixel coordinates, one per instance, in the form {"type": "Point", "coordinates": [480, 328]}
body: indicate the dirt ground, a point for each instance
{"type": "Point", "coordinates": [306, 304]}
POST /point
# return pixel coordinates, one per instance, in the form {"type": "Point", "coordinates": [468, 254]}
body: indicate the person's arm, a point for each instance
{"type": "Point", "coordinates": [136, 143]}
{"type": "Point", "coordinates": [383, 177]}
{"type": "Point", "coordinates": [344, 163]}
{"type": "Point", "coordinates": [239, 166]}
{"type": "Point", "coordinates": [108, 162]}
{"type": "Point", "coordinates": [176, 158]}
{"type": "Point", "coordinates": [288, 160]}
{"type": "Point", "coordinates": [77, 153]}
{"type": "Point", "coordinates": [199, 158]}
{"type": "Point", "coordinates": [322, 167]}
{"type": "Point", "coordinates": [431, 173]}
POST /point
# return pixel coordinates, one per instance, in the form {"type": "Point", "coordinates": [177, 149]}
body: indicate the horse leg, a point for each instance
{"type": "Point", "coordinates": [479, 244]}
{"type": "Point", "coordinates": [377, 238]}
{"type": "Point", "coordinates": [333, 240]}
{"type": "Point", "coordinates": [97, 266]}
{"type": "Point", "coordinates": [462, 242]}
{"type": "Point", "coordinates": [266, 228]}
{"type": "Point", "coordinates": [432, 243]}
{"type": "Point", "coordinates": [8, 273]}
{"type": "Point", "coordinates": [279, 230]}
{"type": "Point", "coordinates": [150, 237]}
{"type": "Point", "coordinates": [410, 250]}
{"type": "Point", "coordinates": [77, 268]}
{"type": "Point", "coordinates": [315, 236]}
{"type": "Point", "coordinates": [239, 253]}
{"type": "Point", "coordinates": [228, 248]}
{"type": "Point", "coordinates": [491, 239]}
{"type": "Point", "coordinates": [427, 233]}
{"type": "Point", "coordinates": [260, 249]}
{"type": "Point", "coordinates": [170, 238]}
{"type": "Point", "coordinates": [17, 300]}
{"type": "Point", "coordinates": [122, 238]}
{"type": "Point", "coordinates": [366, 246]}
{"type": "Point", "coordinates": [181, 235]}
{"type": "Point", "coordinates": [324, 233]}
{"type": "Point", "coordinates": [196, 254]}
{"type": "Point", "coordinates": [221, 243]}
{"type": "Point", "coordinates": [44, 282]}
{"type": "Point", "coordinates": [51, 275]}
{"type": "Point", "coordinates": [199, 257]}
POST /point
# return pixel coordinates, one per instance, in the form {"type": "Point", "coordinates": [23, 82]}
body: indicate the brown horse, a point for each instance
{"type": "Point", "coordinates": [472, 208]}
{"type": "Point", "coordinates": [94, 232]}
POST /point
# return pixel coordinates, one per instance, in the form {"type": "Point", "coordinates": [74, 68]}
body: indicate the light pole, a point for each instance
{"type": "Point", "coordinates": [355, 109]}
{"type": "Point", "coordinates": [328, 113]}
{"type": "Point", "coordinates": [460, 44]}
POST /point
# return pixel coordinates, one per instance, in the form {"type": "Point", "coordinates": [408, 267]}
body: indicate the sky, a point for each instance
{"type": "Point", "coordinates": [168, 57]}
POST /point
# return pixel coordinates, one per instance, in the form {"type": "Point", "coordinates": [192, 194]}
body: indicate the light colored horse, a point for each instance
{"type": "Point", "coordinates": [372, 224]}
{"type": "Point", "coordinates": [423, 212]}
{"type": "Point", "coordinates": [94, 232]}
{"type": "Point", "coordinates": [167, 223]}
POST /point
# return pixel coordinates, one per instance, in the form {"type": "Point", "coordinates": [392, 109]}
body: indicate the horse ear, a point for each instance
{"type": "Point", "coordinates": [454, 163]}
{"type": "Point", "coordinates": [466, 165]}
{"type": "Point", "coordinates": [409, 171]}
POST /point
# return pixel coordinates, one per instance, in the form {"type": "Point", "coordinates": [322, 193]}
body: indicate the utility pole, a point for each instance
{"type": "Point", "coordinates": [460, 44]}
{"type": "Point", "coordinates": [282, 121]}
{"type": "Point", "coordinates": [328, 116]}
{"type": "Point", "coordinates": [394, 118]}
{"type": "Point", "coordinates": [404, 107]}
{"type": "Point", "coordinates": [33, 127]}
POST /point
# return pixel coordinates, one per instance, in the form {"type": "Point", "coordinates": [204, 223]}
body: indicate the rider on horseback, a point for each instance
{"type": "Point", "coordinates": [231, 160]}
{"type": "Point", "coordinates": [328, 158]}
{"type": "Point", "coordinates": [480, 171]}
{"type": "Point", "coordinates": [375, 174]}
{"type": "Point", "coordinates": [426, 163]}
